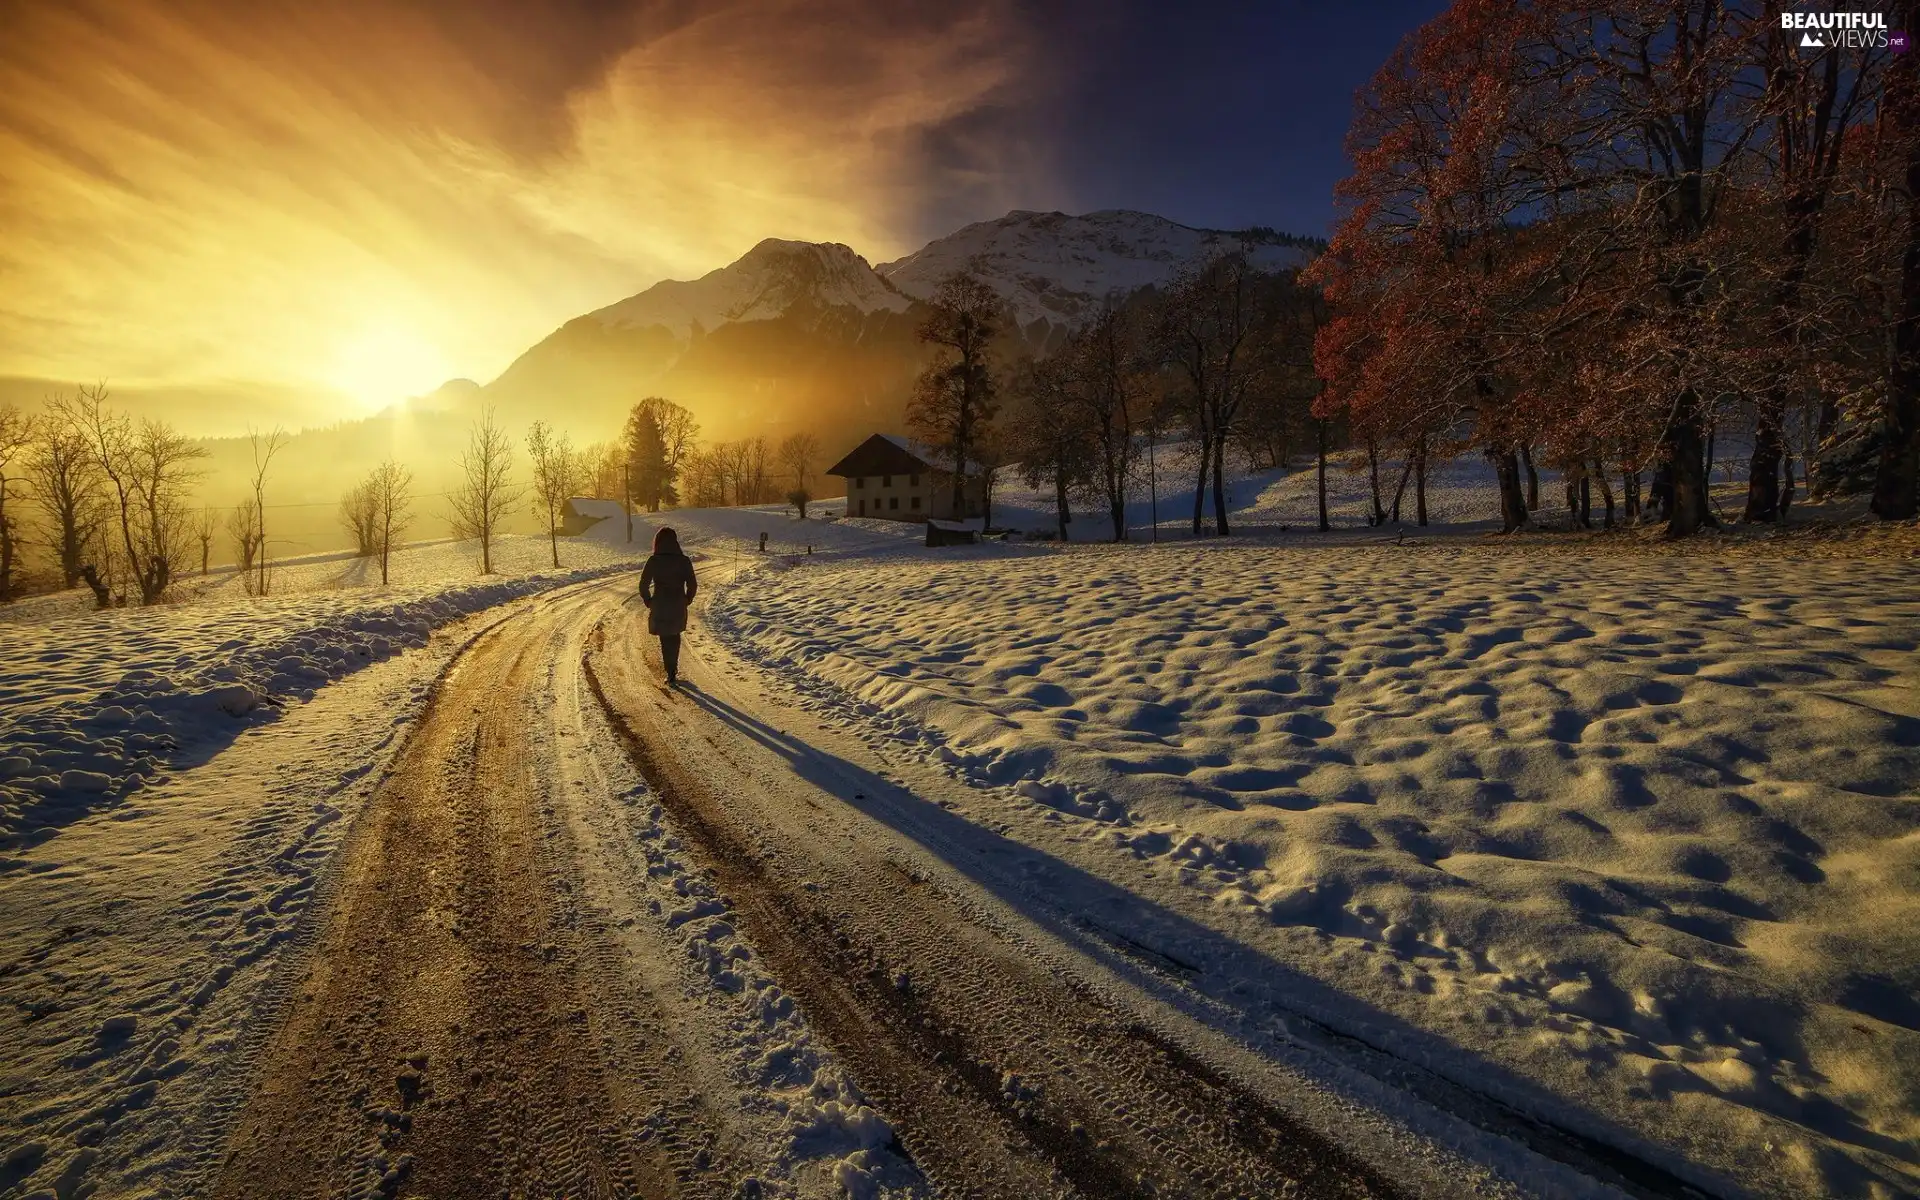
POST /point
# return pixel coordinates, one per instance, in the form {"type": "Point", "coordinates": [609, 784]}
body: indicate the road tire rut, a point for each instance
{"type": "Point", "coordinates": [464, 1030]}
{"type": "Point", "coordinates": [1002, 1078]}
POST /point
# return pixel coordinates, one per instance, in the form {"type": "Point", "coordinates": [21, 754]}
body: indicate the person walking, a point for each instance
{"type": "Point", "coordinates": [667, 587]}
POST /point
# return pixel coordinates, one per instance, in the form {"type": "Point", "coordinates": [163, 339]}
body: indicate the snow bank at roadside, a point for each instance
{"type": "Point", "coordinates": [97, 708]}
{"type": "Point", "coordinates": [1645, 830]}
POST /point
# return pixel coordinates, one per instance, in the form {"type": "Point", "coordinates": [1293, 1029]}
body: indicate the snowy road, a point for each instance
{"type": "Point", "coordinates": [593, 938]}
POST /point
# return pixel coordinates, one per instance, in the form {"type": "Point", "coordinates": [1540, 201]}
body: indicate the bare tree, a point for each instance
{"type": "Point", "coordinates": [755, 467]}
{"type": "Point", "coordinates": [734, 462]}
{"type": "Point", "coordinates": [704, 478]}
{"type": "Point", "coordinates": [486, 492]}
{"type": "Point", "coordinates": [797, 454]}
{"type": "Point", "coordinates": [392, 487]}
{"type": "Point", "coordinates": [1209, 332]}
{"type": "Point", "coordinates": [243, 526]}
{"type": "Point", "coordinates": [148, 468]}
{"type": "Point", "coordinates": [16, 435]}
{"type": "Point", "coordinates": [65, 481]}
{"type": "Point", "coordinates": [1107, 372]}
{"type": "Point", "coordinates": [1045, 432]}
{"type": "Point", "coordinates": [557, 476]}
{"type": "Point", "coordinates": [206, 524]}
{"type": "Point", "coordinates": [265, 446]}
{"type": "Point", "coordinates": [953, 398]}
{"type": "Point", "coordinates": [360, 517]}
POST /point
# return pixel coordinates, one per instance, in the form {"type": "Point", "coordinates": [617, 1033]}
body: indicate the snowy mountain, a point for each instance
{"type": "Point", "coordinates": [1056, 268]}
{"type": "Point", "coordinates": [766, 282]}
{"type": "Point", "coordinates": [809, 335]}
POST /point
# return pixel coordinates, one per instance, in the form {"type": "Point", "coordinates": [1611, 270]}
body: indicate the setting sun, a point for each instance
{"type": "Point", "coordinates": [386, 363]}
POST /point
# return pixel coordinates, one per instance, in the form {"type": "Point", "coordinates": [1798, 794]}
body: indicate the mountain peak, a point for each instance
{"type": "Point", "coordinates": [1055, 268]}
{"type": "Point", "coordinates": [761, 284]}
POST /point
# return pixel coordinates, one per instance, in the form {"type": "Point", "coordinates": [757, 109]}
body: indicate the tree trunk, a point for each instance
{"type": "Point", "coordinates": [1533, 479]}
{"type": "Point", "coordinates": [553, 541]}
{"type": "Point", "coordinates": [1825, 425]}
{"type": "Point", "coordinates": [1060, 502]}
{"type": "Point", "coordinates": [1586, 503]}
{"type": "Point", "coordinates": [1685, 450]}
{"type": "Point", "coordinates": [1379, 515]}
{"type": "Point", "coordinates": [1153, 486]}
{"type": "Point", "coordinates": [1599, 471]}
{"type": "Point", "coordinates": [1321, 425]}
{"type": "Point", "coordinates": [1763, 469]}
{"type": "Point", "coordinates": [1220, 485]}
{"type": "Point", "coordinates": [1896, 485]}
{"type": "Point", "coordinates": [1400, 489]}
{"type": "Point", "coordinates": [1200, 484]}
{"type": "Point", "coordinates": [1513, 503]}
{"type": "Point", "coordinates": [6, 557]}
{"type": "Point", "coordinates": [102, 598]}
{"type": "Point", "coordinates": [1420, 486]}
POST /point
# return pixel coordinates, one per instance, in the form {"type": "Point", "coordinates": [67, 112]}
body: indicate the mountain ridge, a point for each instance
{"type": "Point", "coordinates": [812, 335]}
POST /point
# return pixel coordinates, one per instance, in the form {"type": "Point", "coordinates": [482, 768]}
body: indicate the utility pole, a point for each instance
{"type": "Point", "coordinates": [626, 497]}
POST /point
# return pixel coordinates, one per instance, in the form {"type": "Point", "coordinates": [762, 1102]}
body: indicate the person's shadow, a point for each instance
{"type": "Point", "coordinates": [1171, 957]}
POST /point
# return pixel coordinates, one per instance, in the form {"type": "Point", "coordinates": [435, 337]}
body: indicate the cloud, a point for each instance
{"type": "Point", "coordinates": [266, 190]}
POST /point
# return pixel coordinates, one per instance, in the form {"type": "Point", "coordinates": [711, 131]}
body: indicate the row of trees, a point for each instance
{"type": "Point", "coordinates": [1221, 358]}
{"type": "Point", "coordinates": [109, 500]}
{"type": "Point", "coordinates": [111, 496]}
{"type": "Point", "coordinates": [1603, 232]}
{"type": "Point", "coordinates": [659, 461]}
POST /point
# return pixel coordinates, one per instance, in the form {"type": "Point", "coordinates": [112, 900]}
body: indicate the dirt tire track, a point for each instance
{"type": "Point", "coordinates": [453, 1037]}
{"type": "Point", "coordinates": [1001, 1078]}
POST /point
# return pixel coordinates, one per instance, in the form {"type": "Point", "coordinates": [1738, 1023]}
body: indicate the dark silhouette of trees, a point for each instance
{"type": "Point", "coordinates": [16, 437]}
{"type": "Point", "coordinates": [953, 400]}
{"type": "Point", "coordinates": [149, 468]}
{"type": "Point", "coordinates": [63, 477]}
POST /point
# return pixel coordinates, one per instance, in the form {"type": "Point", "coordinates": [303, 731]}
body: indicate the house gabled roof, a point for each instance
{"type": "Point", "coordinates": [888, 454]}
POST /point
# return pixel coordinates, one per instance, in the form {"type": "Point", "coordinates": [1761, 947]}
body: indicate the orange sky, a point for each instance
{"type": "Point", "coordinates": [374, 197]}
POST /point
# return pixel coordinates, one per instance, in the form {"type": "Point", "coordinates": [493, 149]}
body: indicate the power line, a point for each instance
{"type": "Point", "coordinates": [315, 503]}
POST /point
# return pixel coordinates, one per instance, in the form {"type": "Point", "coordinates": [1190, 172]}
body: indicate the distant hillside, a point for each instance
{"type": "Point", "coordinates": [802, 335]}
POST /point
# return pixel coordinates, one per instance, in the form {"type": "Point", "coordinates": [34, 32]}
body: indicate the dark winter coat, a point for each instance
{"type": "Point", "coordinates": [667, 586]}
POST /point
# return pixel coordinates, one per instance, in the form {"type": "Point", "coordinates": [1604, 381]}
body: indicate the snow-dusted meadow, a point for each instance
{"type": "Point", "coordinates": [1643, 828]}
{"type": "Point", "coordinates": [1640, 830]}
{"type": "Point", "coordinates": [98, 704]}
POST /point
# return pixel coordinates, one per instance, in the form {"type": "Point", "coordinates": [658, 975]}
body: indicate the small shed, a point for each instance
{"type": "Point", "coordinates": [951, 533]}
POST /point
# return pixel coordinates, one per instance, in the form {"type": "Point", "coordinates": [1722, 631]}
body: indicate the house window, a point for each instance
{"type": "Point", "coordinates": [863, 508]}
{"type": "Point", "coordinates": [886, 481]}
{"type": "Point", "coordinates": [916, 504]}
{"type": "Point", "coordinates": [913, 481]}
{"type": "Point", "coordinates": [859, 482]}
{"type": "Point", "coordinates": [893, 502]}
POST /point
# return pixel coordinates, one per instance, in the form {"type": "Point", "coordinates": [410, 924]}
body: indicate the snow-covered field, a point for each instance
{"type": "Point", "coordinates": [1643, 829]}
{"type": "Point", "coordinates": [98, 704]}
{"type": "Point", "coordinates": [1640, 833]}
